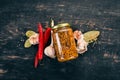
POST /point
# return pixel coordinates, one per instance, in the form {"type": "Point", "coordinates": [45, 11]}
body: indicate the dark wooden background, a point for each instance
{"type": "Point", "coordinates": [100, 62]}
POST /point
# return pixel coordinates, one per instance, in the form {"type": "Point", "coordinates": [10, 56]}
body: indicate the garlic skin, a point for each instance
{"type": "Point", "coordinates": [81, 43]}
{"type": "Point", "coordinates": [34, 39]}
{"type": "Point", "coordinates": [49, 50]}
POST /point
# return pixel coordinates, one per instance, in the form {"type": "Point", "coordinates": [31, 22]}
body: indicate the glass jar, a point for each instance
{"type": "Point", "coordinates": [64, 43]}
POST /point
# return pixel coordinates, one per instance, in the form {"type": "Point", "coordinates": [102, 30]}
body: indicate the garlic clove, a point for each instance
{"type": "Point", "coordinates": [81, 51]}
{"type": "Point", "coordinates": [50, 52]}
{"type": "Point", "coordinates": [81, 43]}
{"type": "Point", "coordinates": [82, 46]}
{"type": "Point", "coordinates": [77, 34]}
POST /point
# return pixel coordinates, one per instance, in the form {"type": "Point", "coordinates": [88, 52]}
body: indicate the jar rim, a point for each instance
{"type": "Point", "coordinates": [61, 25]}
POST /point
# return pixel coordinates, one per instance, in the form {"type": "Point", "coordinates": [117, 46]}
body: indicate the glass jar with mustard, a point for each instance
{"type": "Point", "coordinates": [63, 42]}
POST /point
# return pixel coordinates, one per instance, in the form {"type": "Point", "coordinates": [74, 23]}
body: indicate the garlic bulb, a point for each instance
{"type": "Point", "coordinates": [81, 43]}
{"type": "Point", "coordinates": [50, 51]}
{"type": "Point", "coordinates": [34, 39]}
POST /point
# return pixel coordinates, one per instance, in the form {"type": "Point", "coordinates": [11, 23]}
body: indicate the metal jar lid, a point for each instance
{"type": "Point", "coordinates": [61, 25]}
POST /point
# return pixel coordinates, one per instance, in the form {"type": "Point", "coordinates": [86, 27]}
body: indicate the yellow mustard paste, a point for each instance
{"type": "Point", "coordinates": [64, 43]}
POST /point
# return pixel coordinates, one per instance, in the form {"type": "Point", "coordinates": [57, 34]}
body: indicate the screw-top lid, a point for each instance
{"type": "Point", "coordinates": [61, 25]}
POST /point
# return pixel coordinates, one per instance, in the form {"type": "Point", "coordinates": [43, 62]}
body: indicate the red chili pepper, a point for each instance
{"type": "Point", "coordinates": [39, 54]}
{"type": "Point", "coordinates": [47, 35]}
{"type": "Point", "coordinates": [36, 61]}
{"type": "Point", "coordinates": [41, 42]}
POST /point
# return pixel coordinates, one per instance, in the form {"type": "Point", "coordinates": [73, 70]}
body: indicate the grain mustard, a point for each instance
{"type": "Point", "coordinates": [63, 42]}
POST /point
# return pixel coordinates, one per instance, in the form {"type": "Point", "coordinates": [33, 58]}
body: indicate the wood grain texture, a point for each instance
{"type": "Point", "coordinates": [100, 62]}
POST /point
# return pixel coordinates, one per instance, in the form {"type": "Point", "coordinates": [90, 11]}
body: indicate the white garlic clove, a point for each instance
{"type": "Point", "coordinates": [77, 34]}
{"type": "Point", "coordinates": [81, 51]}
{"type": "Point", "coordinates": [50, 52]}
{"type": "Point", "coordinates": [81, 45]}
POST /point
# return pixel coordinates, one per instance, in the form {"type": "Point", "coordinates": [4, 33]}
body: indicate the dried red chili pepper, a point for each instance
{"type": "Point", "coordinates": [36, 61]}
{"type": "Point", "coordinates": [39, 54]}
{"type": "Point", "coordinates": [41, 42]}
{"type": "Point", "coordinates": [47, 35]}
